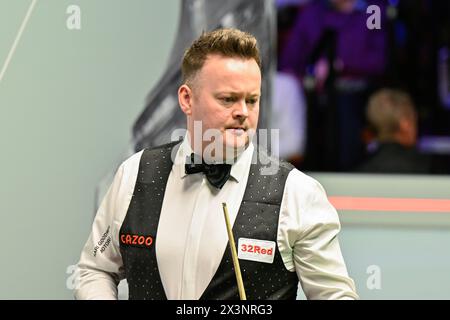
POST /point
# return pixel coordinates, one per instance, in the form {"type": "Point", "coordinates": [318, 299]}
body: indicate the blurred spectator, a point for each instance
{"type": "Point", "coordinates": [289, 104]}
{"type": "Point", "coordinates": [359, 51]}
{"type": "Point", "coordinates": [392, 116]}
{"type": "Point", "coordinates": [289, 116]}
{"type": "Point", "coordinates": [338, 59]}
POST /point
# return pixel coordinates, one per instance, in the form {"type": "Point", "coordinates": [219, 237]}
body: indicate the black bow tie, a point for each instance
{"type": "Point", "coordinates": [217, 174]}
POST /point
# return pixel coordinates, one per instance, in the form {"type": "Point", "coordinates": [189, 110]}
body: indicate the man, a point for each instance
{"type": "Point", "coordinates": [393, 118]}
{"type": "Point", "coordinates": [161, 224]}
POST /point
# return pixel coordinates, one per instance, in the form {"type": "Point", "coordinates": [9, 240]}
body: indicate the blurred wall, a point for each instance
{"type": "Point", "coordinates": [67, 104]}
{"type": "Point", "coordinates": [396, 254]}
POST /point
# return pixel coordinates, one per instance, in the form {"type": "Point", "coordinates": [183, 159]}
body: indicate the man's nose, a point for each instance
{"type": "Point", "coordinates": [240, 110]}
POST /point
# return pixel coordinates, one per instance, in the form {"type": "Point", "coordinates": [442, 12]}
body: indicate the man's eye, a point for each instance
{"type": "Point", "coordinates": [252, 101]}
{"type": "Point", "coordinates": [228, 99]}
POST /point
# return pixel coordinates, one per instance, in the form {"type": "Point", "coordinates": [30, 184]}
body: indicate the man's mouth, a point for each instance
{"type": "Point", "coordinates": [238, 130]}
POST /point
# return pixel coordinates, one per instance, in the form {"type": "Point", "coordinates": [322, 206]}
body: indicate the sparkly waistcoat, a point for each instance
{"type": "Point", "coordinates": [257, 218]}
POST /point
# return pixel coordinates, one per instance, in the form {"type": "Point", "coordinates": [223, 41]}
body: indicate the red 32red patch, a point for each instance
{"type": "Point", "coordinates": [256, 250]}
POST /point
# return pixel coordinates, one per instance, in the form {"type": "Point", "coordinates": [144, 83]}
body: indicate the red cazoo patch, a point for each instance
{"type": "Point", "coordinates": [136, 240]}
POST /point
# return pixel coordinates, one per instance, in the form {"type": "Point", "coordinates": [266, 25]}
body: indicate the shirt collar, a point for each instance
{"type": "Point", "coordinates": [238, 169]}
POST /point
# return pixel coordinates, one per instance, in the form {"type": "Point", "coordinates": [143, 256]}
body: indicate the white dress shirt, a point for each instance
{"type": "Point", "coordinates": [192, 236]}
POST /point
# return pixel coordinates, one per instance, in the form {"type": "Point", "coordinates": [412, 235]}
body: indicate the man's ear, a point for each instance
{"type": "Point", "coordinates": [185, 99]}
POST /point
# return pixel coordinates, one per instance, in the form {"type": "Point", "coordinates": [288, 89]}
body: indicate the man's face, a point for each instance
{"type": "Point", "coordinates": [225, 96]}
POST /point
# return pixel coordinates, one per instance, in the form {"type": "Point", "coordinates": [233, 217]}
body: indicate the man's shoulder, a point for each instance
{"type": "Point", "coordinates": [303, 184]}
{"type": "Point", "coordinates": [296, 178]}
{"type": "Point", "coordinates": [149, 151]}
{"type": "Point", "coordinates": [265, 158]}
{"type": "Point", "coordinates": [302, 178]}
{"type": "Point", "coordinates": [161, 148]}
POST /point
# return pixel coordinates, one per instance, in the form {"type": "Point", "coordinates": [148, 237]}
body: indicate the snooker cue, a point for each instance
{"type": "Point", "coordinates": [237, 269]}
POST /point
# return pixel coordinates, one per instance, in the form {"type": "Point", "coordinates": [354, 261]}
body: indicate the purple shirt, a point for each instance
{"type": "Point", "coordinates": [361, 50]}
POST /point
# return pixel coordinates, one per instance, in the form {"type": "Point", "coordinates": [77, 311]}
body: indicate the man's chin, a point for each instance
{"type": "Point", "coordinates": [236, 140]}
{"type": "Point", "coordinates": [227, 148]}
{"type": "Point", "coordinates": [237, 143]}
{"type": "Point", "coordinates": [234, 149]}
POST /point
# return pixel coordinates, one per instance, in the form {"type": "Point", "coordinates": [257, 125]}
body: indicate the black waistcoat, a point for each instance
{"type": "Point", "coordinates": [257, 219]}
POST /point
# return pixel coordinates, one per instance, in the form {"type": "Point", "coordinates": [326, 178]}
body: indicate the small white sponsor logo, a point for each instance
{"type": "Point", "coordinates": [256, 250]}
